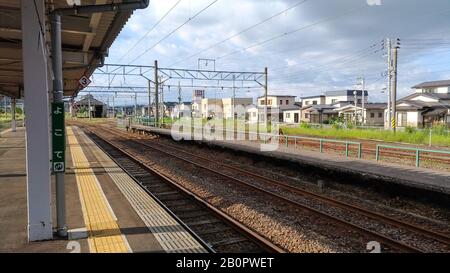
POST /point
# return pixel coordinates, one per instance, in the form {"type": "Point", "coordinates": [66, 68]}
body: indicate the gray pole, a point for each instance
{"type": "Point", "coordinates": [114, 108]}
{"type": "Point", "coordinates": [162, 103]}
{"type": "Point", "coordinates": [389, 117]}
{"type": "Point", "coordinates": [4, 103]}
{"type": "Point", "coordinates": [13, 114]}
{"type": "Point", "coordinates": [135, 105]}
{"type": "Point", "coordinates": [156, 95]}
{"type": "Point", "coordinates": [234, 98]}
{"type": "Point", "coordinates": [58, 97]}
{"type": "Point", "coordinates": [149, 99]}
{"type": "Point", "coordinates": [89, 105]}
{"type": "Point", "coordinates": [363, 98]}
{"type": "Point", "coordinates": [356, 106]}
{"type": "Point", "coordinates": [265, 97]}
{"type": "Point", "coordinates": [179, 100]}
{"type": "Point", "coordinates": [394, 88]}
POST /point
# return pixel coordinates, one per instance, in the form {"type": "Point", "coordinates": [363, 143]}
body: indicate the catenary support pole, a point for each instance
{"type": "Point", "coordinates": [13, 114]}
{"type": "Point", "coordinates": [156, 95]}
{"type": "Point", "coordinates": [265, 97]}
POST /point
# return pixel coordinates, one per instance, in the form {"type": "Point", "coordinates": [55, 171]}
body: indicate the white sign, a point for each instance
{"type": "Point", "coordinates": [84, 81]}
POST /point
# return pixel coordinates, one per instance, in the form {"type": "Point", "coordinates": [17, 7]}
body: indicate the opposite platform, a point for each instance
{"type": "Point", "coordinates": [420, 178]}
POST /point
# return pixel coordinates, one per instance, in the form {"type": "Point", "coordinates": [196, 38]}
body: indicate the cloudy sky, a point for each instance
{"type": "Point", "coordinates": [316, 46]}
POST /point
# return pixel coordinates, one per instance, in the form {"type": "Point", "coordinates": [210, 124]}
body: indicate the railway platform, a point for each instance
{"type": "Point", "coordinates": [433, 181]}
{"type": "Point", "coordinates": [107, 211]}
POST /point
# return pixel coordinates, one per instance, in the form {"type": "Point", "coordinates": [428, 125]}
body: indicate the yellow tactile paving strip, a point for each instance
{"type": "Point", "coordinates": [103, 230]}
{"type": "Point", "coordinates": [172, 237]}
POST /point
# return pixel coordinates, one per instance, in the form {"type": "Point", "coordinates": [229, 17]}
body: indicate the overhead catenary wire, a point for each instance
{"type": "Point", "coordinates": [276, 37]}
{"type": "Point", "coordinates": [240, 32]}
{"type": "Point", "coordinates": [173, 31]}
{"type": "Point", "coordinates": [149, 31]}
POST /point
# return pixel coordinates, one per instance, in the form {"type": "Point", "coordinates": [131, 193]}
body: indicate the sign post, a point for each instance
{"type": "Point", "coordinates": [58, 138]}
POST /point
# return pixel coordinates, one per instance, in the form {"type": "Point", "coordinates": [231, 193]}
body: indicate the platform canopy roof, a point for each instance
{"type": "Point", "coordinates": [85, 42]}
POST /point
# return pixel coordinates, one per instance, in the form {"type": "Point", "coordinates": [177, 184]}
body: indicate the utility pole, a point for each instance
{"type": "Point", "coordinates": [135, 105]}
{"type": "Point", "coordinates": [234, 97]}
{"type": "Point", "coordinates": [13, 114]}
{"type": "Point", "coordinates": [394, 85]}
{"type": "Point", "coordinates": [162, 103]}
{"type": "Point", "coordinates": [156, 95]}
{"type": "Point", "coordinates": [149, 99]}
{"type": "Point", "coordinates": [114, 107]}
{"type": "Point", "coordinates": [89, 104]}
{"type": "Point", "coordinates": [179, 100]}
{"type": "Point", "coordinates": [389, 74]}
{"type": "Point", "coordinates": [265, 96]}
{"type": "Point", "coordinates": [355, 93]}
{"type": "Point", "coordinates": [363, 83]}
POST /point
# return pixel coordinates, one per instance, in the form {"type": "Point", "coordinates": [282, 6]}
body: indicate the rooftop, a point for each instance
{"type": "Point", "coordinates": [443, 83]}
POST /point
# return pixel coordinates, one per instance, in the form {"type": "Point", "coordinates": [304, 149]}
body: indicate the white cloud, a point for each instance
{"type": "Point", "coordinates": [328, 55]}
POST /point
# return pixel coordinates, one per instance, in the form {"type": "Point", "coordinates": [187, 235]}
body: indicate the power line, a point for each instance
{"type": "Point", "coordinates": [240, 32]}
{"type": "Point", "coordinates": [287, 33]}
{"type": "Point", "coordinates": [150, 30]}
{"type": "Point", "coordinates": [173, 31]}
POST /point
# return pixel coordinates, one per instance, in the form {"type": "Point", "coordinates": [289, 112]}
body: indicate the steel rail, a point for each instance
{"type": "Point", "coordinates": [363, 230]}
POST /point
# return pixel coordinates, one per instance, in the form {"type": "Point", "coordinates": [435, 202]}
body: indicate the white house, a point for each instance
{"type": "Point", "coordinates": [276, 104]}
{"type": "Point", "coordinates": [292, 115]}
{"type": "Point", "coordinates": [332, 97]}
{"type": "Point", "coordinates": [223, 108]}
{"type": "Point", "coordinates": [313, 100]}
{"type": "Point", "coordinates": [429, 105]}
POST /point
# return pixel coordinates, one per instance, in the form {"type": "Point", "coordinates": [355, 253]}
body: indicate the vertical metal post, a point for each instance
{"type": "Point", "coordinates": [114, 107]}
{"type": "Point", "coordinates": [394, 88]}
{"type": "Point", "coordinates": [321, 145]}
{"type": "Point", "coordinates": [430, 137]}
{"type": "Point", "coordinates": [287, 141]}
{"type": "Point", "coordinates": [377, 153]}
{"type": "Point", "coordinates": [417, 158]}
{"type": "Point", "coordinates": [135, 105]}
{"type": "Point", "coordinates": [363, 98]}
{"type": "Point", "coordinates": [149, 101]}
{"type": "Point", "coordinates": [13, 114]}
{"type": "Point", "coordinates": [389, 49]}
{"type": "Point", "coordinates": [360, 150]}
{"type": "Point", "coordinates": [346, 149]}
{"type": "Point", "coordinates": [89, 105]}
{"type": "Point", "coordinates": [265, 96]}
{"type": "Point", "coordinates": [156, 95]}
{"type": "Point", "coordinates": [58, 98]}
{"type": "Point", "coordinates": [5, 106]}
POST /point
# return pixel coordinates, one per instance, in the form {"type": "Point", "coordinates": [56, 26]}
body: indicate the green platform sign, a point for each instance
{"type": "Point", "coordinates": [58, 138]}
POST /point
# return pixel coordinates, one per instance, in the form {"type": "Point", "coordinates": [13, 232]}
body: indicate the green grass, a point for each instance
{"type": "Point", "coordinates": [414, 137]}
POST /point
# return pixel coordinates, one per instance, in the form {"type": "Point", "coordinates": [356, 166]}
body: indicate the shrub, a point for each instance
{"type": "Point", "coordinates": [410, 129]}
{"type": "Point", "coordinates": [304, 125]}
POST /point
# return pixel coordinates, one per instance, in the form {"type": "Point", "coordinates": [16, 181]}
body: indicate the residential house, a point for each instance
{"type": "Point", "coordinates": [332, 97]}
{"type": "Point", "coordinates": [224, 108]}
{"type": "Point", "coordinates": [429, 105]}
{"type": "Point", "coordinates": [276, 104]}
{"type": "Point", "coordinates": [373, 113]}
{"type": "Point", "coordinates": [318, 113]}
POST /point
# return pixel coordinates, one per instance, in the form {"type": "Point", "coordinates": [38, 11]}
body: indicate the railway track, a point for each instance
{"type": "Point", "coordinates": [176, 152]}
{"type": "Point", "coordinates": [217, 231]}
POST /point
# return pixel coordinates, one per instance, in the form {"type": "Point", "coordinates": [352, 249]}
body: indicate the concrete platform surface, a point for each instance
{"type": "Point", "coordinates": [101, 201]}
